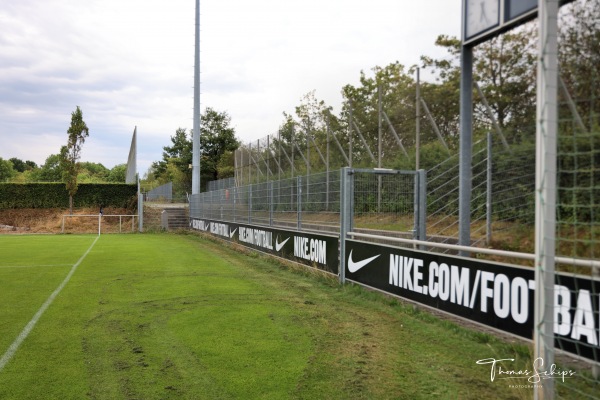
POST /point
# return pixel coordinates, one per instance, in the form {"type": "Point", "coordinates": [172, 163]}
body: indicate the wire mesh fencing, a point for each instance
{"type": "Point", "coordinates": [577, 235]}
{"type": "Point", "coordinates": [303, 202]}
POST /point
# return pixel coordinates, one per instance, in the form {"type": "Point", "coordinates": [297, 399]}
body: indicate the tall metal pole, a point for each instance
{"type": "Point", "coordinates": [327, 166]}
{"type": "Point", "coordinates": [379, 125]}
{"type": "Point", "coordinates": [196, 133]}
{"type": "Point", "coordinates": [466, 148]}
{"type": "Point", "coordinates": [379, 144]}
{"type": "Point", "coordinates": [545, 190]}
{"type": "Point", "coordinates": [418, 122]}
{"type": "Point", "coordinates": [488, 197]}
{"type": "Point", "coordinates": [350, 132]}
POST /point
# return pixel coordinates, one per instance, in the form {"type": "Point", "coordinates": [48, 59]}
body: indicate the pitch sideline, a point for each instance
{"type": "Point", "coordinates": [7, 356]}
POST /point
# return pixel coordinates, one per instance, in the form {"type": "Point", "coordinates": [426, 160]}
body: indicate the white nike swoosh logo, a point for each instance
{"type": "Point", "coordinates": [278, 245]}
{"type": "Point", "coordinates": [232, 233]}
{"type": "Point", "coordinates": [355, 266]}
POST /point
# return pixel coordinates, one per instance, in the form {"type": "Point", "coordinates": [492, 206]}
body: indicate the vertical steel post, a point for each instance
{"type": "Point", "coordinates": [299, 203]}
{"type": "Point", "coordinates": [279, 158]}
{"type": "Point", "coordinates": [346, 195]}
{"type": "Point", "coordinates": [234, 203]}
{"type": "Point", "coordinates": [379, 144]}
{"type": "Point", "coordinates": [422, 204]}
{"type": "Point", "coordinates": [350, 132]}
{"type": "Point", "coordinates": [293, 163]}
{"type": "Point", "coordinates": [418, 121]}
{"type": "Point", "coordinates": [267, 159]}
{"type": "Point", "coordinates": [250, 203]}
{"type": "Point", "coordinates": [257, 162]}
{"type": "Point", "coordinates": [488, 198]}
{"type": "Point", "coordinates": [270, 185]}
{"type": "Point", "coordinates": [196, 133]}
{"type": "Point", "coordinates": [249, 163]}
{"type": "Point", "coordinates": [545, 182]}
{"type": "Point", "coordinates": [466, 148]}
{"type": "Point", "coordinates": [307, 159]}
{"type": "Point", "coordinates": [140, 211]}
{"type": "Point", "coordinates": [327, 166]}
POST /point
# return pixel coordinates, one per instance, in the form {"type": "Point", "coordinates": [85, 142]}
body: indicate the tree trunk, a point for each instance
{"type": "Point", "coordinates": [70, 204]}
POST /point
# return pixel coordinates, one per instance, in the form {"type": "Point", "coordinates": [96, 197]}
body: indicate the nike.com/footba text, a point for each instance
{"type": "Point", "coordinates": [494, 292]}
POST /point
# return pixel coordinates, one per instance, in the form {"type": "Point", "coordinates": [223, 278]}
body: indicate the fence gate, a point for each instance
{"type": "Point", "coordinates": [382, 202]}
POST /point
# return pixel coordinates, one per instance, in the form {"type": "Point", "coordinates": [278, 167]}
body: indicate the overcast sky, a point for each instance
{"type": "Point", "coordinates": [129, 63]}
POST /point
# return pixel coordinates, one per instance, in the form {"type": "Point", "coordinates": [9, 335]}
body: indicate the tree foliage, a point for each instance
{"type": "Point", "coordinates": [217, 139]}
{"type": "Point", "coordinates": [217, 144]}
{"type": "Point", "coordinates": [579, 55]}
{"type": "Point", "coordinates": [52, 170]}
{"type": "Point", "coordinates": [71, 153]}
{"type": "Point", "coordinates": [6, 170]}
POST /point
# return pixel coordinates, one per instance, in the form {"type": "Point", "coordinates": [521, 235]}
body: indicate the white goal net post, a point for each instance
{"type": "Point", "coordinates": [101, 223]}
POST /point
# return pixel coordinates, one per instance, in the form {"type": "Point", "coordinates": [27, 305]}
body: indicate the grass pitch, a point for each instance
{"type": "Point", "coordinates": [160, 316]}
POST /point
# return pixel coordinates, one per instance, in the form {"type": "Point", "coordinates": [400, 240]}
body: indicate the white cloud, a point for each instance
{"type": "Point", "coordinates": [130, 63]}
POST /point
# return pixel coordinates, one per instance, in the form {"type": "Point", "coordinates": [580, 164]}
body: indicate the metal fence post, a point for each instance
{"type": "Point", "coordinates": [140, 212]}
{"type": "Point", "coordinates": [249, 203]}
{"type": "Point", "coordinates": [488, 199]}
{"type": "Point", "coordinates": [422, 205]}
{"type": "Point", "coordinates": [466, 149]}
{"type": "Point", "coordinates": [545, 188]}
{"type": "Point", "coordinates": [270, 203]}
{"type": "Point", "coordinates": [299, 202]}
{"type": "Point", "coordinates": [346, 195]}
{"type": "Point", "coordinates": [234, 202]}
{"type": "Point", "coordinates": [221, 200]}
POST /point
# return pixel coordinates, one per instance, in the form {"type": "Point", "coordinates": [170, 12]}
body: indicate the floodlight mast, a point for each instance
{"type": "Point", "coordinates": [196, 129]}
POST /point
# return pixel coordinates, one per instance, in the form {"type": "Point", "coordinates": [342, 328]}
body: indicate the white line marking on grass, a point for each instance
{"type": "Point", "coordinates": [28, 328]}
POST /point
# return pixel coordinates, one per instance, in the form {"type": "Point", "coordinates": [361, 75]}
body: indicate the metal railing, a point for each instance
{"type": "Point", "coordinates": [100, 217]}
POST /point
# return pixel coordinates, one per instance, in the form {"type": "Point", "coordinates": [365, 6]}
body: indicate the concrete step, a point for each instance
{"type": "Point", "coordinates": [174, 218]}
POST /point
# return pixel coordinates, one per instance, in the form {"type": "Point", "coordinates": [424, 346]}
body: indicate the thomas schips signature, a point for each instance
{"type": "Point", "coordinates": [536, 375]}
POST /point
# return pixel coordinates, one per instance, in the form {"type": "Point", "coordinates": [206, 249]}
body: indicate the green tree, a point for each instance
{"type": "Point", "coordinates": [95, 169]}
{"type": "Point", "coordinates": [225, 165]}
{"type": "Point", "coordinates": [6, 170]}
{"type": "Point", "coordinates": [504, 69]}
{"type": "Point", "coordinates": [18, 164]}
{"type": "Point", "coordinates": [178, 157]}
{"type": "Point", "coordinates": [30, 165]}
{"type": "Point", "coordinates": [117, 174]}
{"type": "Point", "coordinates": [579, 56]}
{"type": "Point", "coordinates": [396, 85]}
{"type": "Point", "coordinates": [217, 137]}
{"type": "Point", "coordinates": [71, 153]}
{"type": "Point", "coordinates": [52, 169]}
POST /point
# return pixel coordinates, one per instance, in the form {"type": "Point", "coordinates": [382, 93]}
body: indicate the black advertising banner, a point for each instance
{"type": "Point", "coordinates": [497, 295]}
{"type": "Point", "coordinates": [318, 251]}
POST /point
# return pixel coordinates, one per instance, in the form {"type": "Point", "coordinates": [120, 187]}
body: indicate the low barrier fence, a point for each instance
{"type": "Point", "coordinates": [95, 220]}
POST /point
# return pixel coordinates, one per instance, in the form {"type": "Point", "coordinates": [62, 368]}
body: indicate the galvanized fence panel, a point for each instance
{"type": "Point", "coordinates": [384, 203]}
{"type": "Point", "coordinates": [310, 203]}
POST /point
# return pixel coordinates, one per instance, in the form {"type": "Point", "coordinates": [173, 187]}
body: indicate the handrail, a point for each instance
{"type": "Point", "coordinates": [504, 253]}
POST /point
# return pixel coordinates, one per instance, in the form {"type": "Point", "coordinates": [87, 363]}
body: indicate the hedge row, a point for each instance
{"type": "Point", "coordinates": [55, 195]}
